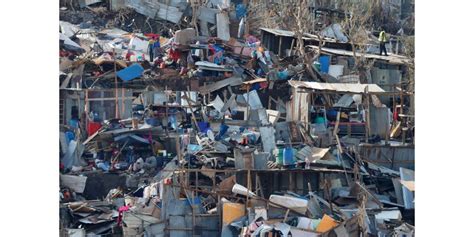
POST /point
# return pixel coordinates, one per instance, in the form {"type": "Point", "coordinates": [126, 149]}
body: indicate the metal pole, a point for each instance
{"type": "Point", "coordinates": [116, 89]}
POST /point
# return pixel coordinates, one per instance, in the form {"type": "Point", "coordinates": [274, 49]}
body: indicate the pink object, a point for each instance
{"type": "Point", "coordinates": [121, 211]}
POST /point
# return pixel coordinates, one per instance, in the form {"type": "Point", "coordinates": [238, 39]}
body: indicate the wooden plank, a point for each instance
{"type": "Point", "coordinates": [76, 183]}
{"type": "Point", "coordinates": [223, 26]}
{"type": "Point", "coordinates": [232, 81]}
{"type": "Point", "coordinates": [66, 81]}
{"type": "Point", "coordinates": [134, 220]}
{"type": "Point", "coordinates": [205, 14]}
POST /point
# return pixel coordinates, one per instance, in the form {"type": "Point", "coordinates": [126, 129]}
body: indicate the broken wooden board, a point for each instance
{"type": "Point", "coordinates": [318, 154]}
{"type": "Point", "coordinates": [76, 183]}
{"type": "Point", "coordinates": [66, 81]}
{"type": "Point", "coordinates": [268, 138]}
{"type": "Point", "coordinates": [273, 116]}
{"type": "Point", "coordinates": [222, 20]}
{"type": "Point", "coordinates": [231, 81]}
{"type": "Point", "coordinates": [207, 15]}
{"type": "Point", "coordinates": [184, 36]}
{"type": "Point", "coordinates": [410, 185]}
{"type": "Point", "coordinates": [407, 175]}
{"type": "Point", "coordinates": [133, 220]}
{"type": "Point", "coordinates": [229, 104]}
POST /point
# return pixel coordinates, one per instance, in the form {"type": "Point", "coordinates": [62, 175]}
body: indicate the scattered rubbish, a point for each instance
{"type": "Point", "coordinates": [227, 124]}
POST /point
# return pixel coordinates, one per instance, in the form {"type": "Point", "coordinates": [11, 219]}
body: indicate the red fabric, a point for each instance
{"type": "Point", "coordinates": [395, 115]}
{"type": "Point", "coordinates": [93, 127]}
{"type": "Point", "coordinates": [128, 55]}
{"type": "Point", "coordinates": [174, 55]}
{"type": "Point", "coordinates": [152, 36]}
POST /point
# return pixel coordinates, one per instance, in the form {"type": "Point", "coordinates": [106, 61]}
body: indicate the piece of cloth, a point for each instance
{"type": "Point", "coordinates": [174, 55]}
{"type": "Point", "coordinates": [93, 127]}
{"type": "Point", "coordinates": [150, 163]}
{"type": "Point", "coordinates": [121, 211]}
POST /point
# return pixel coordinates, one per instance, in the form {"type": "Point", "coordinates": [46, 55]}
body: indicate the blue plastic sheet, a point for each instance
{"type": "Point", "coordinates": [283, 75]}
{"type": "Point", "coordinates": [203, 126]}
{"type": "Point", "coordinates": [240, 11]}
{"type": "Point", "coordinates": [132, 72]}
{"type": "Point", "coordinates": [324, 61]}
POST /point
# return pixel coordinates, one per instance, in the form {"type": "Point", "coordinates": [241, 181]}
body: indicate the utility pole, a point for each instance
{"type": "Point", "coordinates": [116, 89]}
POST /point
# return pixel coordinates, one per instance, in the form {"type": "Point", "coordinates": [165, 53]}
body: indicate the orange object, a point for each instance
{"type": "Point", "coordinates": [326, 224]}
{"type": "Point", "coordinates": [231, 212]}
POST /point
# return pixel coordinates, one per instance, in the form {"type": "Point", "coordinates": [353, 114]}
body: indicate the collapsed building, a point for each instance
{"type": "Point", "coordinates": [210, 130]}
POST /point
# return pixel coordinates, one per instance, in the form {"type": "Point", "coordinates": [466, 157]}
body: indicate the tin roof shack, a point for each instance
{"type": "Point", "coordinates": [283, 42]}
{"type": "Point", "coordinates": [388, 72]}
{"type": "Point", "coordinates": [357, 113]}
{"type": "Point", "coordinates": [301, 101]}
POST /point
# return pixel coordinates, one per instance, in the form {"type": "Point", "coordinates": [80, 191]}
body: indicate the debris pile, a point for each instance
{"type": "Point", "coordinates": [194, 126]}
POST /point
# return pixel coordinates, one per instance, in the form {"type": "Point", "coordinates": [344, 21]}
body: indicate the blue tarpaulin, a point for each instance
{"type": "Point", "coordinates": [132, 72]}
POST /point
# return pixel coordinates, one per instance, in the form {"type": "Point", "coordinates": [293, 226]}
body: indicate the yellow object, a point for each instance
{"type": "Point", "coordinates": [382, 36]}
{"type": "Point", "coordinates": [163, 40]}
{"type": "Point", "coordinates": [326, 224]}
{"type": "Point", "coordinates": [231, 212]}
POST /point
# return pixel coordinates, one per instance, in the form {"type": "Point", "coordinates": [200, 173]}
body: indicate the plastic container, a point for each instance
{"type": "Point", "coordinates": [320, 120]}
{"type": "Point", "coordinates": [324, 61]}
{"type": "Point", "coordinates": [288, 156]}
{"type": "Point", "coordinates": [280, 156]}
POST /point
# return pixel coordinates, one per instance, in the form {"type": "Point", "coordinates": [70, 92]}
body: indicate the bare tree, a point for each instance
{"type": "Point", "coordinates": [292, 15]}
{"type": "Point", "coordinates": [358, 18]}
{"type": "Point", "coordinates": [408, 43]}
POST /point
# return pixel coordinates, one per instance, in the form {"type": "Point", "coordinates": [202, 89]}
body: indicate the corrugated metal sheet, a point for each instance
{"type": "Point", "coordinates": [391, 157]}
{"type": "Point", "coordinates": [345, 101]}
{"type": "Point", "coordinates": [279, 32]}
{"type": "Point", "coordinates": [392, 58]}
{"type": "Point", "coordinates": [156, 10]}
{"type": "Point", "coordinates": [379, 121]}
{"type": "Point", "coordinates": [336, 87]}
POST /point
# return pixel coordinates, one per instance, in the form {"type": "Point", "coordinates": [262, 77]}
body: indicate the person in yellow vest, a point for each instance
{"type": "Point", "coordinates": [383, 40]}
